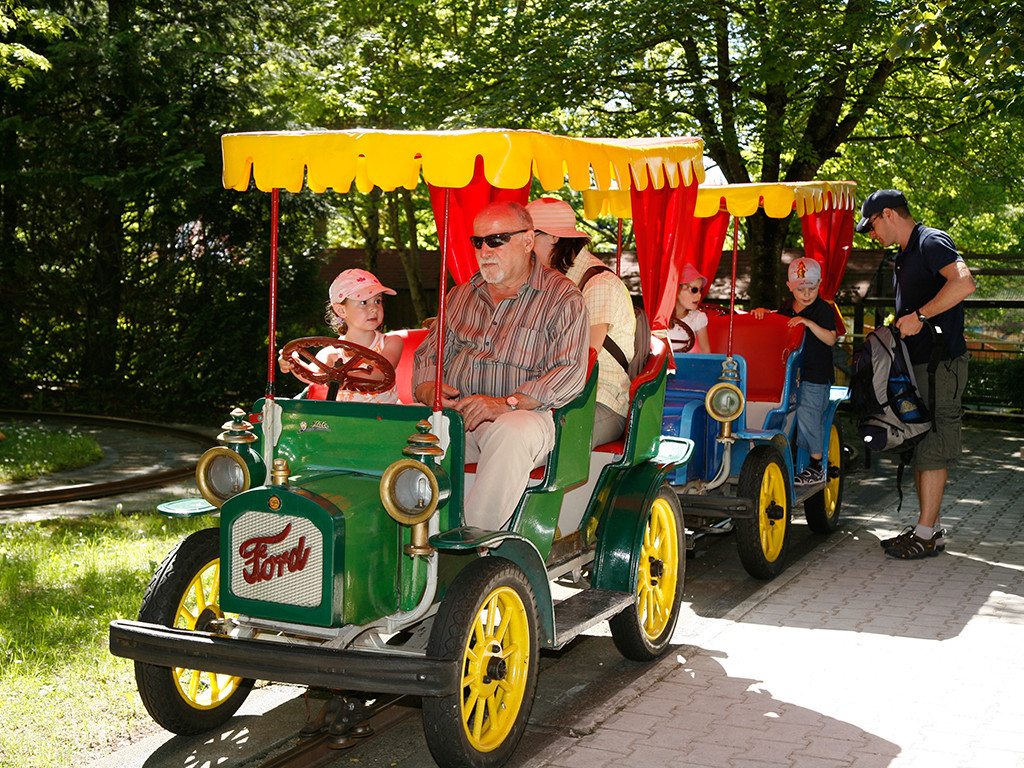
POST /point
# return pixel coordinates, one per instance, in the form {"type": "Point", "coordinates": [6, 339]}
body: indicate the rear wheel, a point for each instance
{"type": "Point", "coordinates": [762, 540]}
{"type": "Point", "coordinates": [822, 509]}
{"type": "Point", "coordinates": [487, 620]}
{"type": "Point", "coordinates": [184, 593]}
{"type": "Point", "coordinates": [643, 631]}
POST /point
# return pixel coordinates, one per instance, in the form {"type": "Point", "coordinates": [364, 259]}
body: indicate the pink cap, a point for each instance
{"type": "Point", "coordinates": [690, 274]}
{"type": "Point", "coordinates": [555, 217]}
{"type": "Point", "coordinates": [356, 284]}
{"type": "Point", "coordinates": [804, 272]}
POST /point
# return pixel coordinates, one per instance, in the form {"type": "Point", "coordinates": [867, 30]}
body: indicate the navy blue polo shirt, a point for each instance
{"type": "Point", "coordinates": [817, 367]}
{"type": "Point", "coordinates": [917, 280]}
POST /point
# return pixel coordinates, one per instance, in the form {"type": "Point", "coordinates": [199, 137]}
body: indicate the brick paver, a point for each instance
{"type": "Point", "coordinates": [852, 659]}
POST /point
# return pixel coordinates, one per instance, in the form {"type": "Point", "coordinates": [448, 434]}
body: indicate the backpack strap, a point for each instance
{"type": "Point", "coordinates": [613, 349]}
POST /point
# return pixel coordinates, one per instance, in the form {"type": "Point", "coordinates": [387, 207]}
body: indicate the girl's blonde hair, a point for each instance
{"type": "Point", "coordinates": [334, 322]}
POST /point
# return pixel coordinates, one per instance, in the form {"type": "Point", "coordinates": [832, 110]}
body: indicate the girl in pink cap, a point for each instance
{"type": "Point", "coordinates": [355, 311]}
{"type": "Point", "coordinates": [691, 286]}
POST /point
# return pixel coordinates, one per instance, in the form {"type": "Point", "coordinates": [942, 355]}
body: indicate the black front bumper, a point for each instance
{"type": "Point", "coordinates": [351, 670]}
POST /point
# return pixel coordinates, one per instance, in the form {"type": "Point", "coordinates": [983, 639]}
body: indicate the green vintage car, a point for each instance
{"type": "Point", "coordinates": [340, 558]}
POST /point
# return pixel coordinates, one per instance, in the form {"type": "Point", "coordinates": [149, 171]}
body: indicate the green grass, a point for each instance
{"type": "Point", "coordinates": [28, 452]}
{"type": "Point", "coordinates": [64, 699]}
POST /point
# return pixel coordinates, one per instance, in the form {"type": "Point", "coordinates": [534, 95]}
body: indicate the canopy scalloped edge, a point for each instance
{"type": "Point", "coordinates": [778, 199]}
{"type": "Point", "coordinates": [390, 159]}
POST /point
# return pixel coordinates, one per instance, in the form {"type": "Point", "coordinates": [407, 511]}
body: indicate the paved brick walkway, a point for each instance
{"type": "Point", "coordinates": [851, 658]}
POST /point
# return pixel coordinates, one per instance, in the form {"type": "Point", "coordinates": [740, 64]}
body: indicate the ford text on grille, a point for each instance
{"type": "Point", "coordinates": [261, 566]}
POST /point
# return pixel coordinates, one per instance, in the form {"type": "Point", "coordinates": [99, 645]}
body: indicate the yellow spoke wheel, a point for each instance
{"type": "Point", "coordinates": [487, 620]}
{"type": "Point", "coordinates": [184, 594]}
{"type": "Point", "coordinates": [643, 631]}
{"type": "Point", "coordinates": [763, 539]}
{"type": "Point", "coordinates": [822, 509]}
{"type": "Point", "coordinates": [199, 604]}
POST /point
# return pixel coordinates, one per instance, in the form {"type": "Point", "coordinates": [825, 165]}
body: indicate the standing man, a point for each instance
{"type": "Point", "coordinates": [932, 281]}
{"type": "Point", "coordinates": [515, 348]}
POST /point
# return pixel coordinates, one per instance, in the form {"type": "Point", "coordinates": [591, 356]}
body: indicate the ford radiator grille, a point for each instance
{"type": "Point", "coordinates": [277, 559]}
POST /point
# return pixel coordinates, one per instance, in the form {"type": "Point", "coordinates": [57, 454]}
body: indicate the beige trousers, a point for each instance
{"type": "Point", "coordinates": [505, 451]}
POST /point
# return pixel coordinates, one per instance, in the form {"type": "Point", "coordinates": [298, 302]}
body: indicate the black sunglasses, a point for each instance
{"type": "Point", "coordinates": [694, 289]}
{"type": "Point", "coordinates": [496, 240]}
{"type": "Point", "coordinates": [871, 222]}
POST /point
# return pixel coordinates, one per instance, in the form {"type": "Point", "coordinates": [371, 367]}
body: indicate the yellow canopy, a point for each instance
{"type": "Point", "coordinates": [392, 159]}
{"type": "Point", "coordinates": [778, 199]}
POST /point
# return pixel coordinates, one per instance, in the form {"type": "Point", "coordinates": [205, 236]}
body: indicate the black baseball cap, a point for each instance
{"type": "Point", "coordinates": [877, 202]}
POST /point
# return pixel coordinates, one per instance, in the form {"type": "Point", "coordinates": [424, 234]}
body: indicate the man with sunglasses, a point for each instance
{"type": "Point", "coordinates": [932, 281]}
{"type": "Point", "coordinates": [515, 347]}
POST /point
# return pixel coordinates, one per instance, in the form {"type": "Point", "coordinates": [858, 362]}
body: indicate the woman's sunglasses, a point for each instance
{"type": "Point", "coordinates": [693, 288]}
{"type": "Point", "coordinates": [496, 240]}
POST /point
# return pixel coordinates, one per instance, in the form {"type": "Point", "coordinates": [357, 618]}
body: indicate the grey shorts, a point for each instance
{"type": "Point", "coordinates": [940, 448]}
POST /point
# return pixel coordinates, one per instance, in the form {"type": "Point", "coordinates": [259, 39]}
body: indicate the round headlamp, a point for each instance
{"type": "Point", "coordinates": [220, 474]}
{"type": "Point", "coordinates": [409, 491]}
{"type": "Point", "coordinates": [724, 401]}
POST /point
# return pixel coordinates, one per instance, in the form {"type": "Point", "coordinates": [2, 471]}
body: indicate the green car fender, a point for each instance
{"type": "Point", "coordinates": [519, 550]}
{"type": "Point", "coordinates": [621, 532]}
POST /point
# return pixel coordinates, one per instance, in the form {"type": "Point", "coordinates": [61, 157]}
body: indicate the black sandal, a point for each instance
{"type": "Point", "coordinates": [912, 548]}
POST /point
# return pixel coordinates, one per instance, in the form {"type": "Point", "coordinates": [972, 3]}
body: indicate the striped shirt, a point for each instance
{"type": "Point", "coordinates": [534, 343]}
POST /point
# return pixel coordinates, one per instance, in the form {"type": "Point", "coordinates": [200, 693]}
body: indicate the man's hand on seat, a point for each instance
{"type": "Point", "coordinates": [425, 394]}
{"type": "Point", "coordinates": [476, 409]}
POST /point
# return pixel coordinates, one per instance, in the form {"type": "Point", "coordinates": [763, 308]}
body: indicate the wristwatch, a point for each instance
{"type": "Point", "coordinates": [921, 317]}
{"type": "Point", "coordinates": [512, 402]}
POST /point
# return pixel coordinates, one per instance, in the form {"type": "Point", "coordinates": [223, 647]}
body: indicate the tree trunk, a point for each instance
{"type": "Point", "coordinates": [372, 230]}
{"type": "Point", "coordinates": [409, 255]}
{"type": "Point", "coordinates": [765, 240]}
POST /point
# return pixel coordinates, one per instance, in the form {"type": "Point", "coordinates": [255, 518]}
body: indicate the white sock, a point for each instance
{"type": "Point", "coordinates": [924, 532]}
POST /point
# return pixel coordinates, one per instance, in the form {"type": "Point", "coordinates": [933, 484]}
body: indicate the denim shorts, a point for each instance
{"type": "Point", "coordinates": [940, 448]}
{"type": "Point", "coordinates": [811, 400]}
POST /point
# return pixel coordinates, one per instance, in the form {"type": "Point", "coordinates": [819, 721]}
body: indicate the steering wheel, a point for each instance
{"type": "Point", "coordinates": [351, 370]}
{"type": "Point", "coordinates": [683, 345]}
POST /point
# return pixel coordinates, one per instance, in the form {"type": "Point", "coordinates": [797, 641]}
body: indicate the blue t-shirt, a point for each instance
{"type": "Point", "coordinates": [817, 367]}
{"type": "Point", "coordinates": [918, 278]}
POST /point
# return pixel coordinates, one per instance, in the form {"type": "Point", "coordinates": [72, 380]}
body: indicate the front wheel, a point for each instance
{"type": "Point", "coordinates": [642, 632]}
{"type": "Point", "coordinates": [184, 593]}
{"type": "Point", "coordinates": [822, 509]}
{"type": "Point", "coordinates": [487, 620]}
{"type": "Point", "coordinates": [763, 539]}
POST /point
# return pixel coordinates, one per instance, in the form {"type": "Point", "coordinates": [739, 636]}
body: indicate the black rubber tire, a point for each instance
{"type": "Point", "coordinates": [762, 547]}
{"type": "Point", "coordinates": [664, 523]}
{"type": "Point", "coordinates": [159, 686]}
{"type": "Point", "coordinates": [454, 635]}
{"type": "Point", "coordinates": [822, 509]}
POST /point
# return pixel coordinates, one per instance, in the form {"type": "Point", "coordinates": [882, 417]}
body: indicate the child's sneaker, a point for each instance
{"type": "Point", "coordinates": [810, 476]}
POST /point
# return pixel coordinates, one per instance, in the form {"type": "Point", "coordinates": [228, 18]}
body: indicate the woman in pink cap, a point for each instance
{"type": "Point", "coordinates": [355, 311]}
{"type": "Point", "coordinates": [559, 245]}
{"type": "Point", "coordinates": [691, 286]}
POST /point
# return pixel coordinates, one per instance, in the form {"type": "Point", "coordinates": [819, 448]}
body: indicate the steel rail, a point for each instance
{"type": "Point", "coordinates": [321, 750]}
{"type": "Point", "coordinates": [84, 491]}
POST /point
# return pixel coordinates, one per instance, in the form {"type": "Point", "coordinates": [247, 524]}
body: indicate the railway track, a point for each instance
{"type": "Point", "coordinates": [81, 491]}
{"type": "Point", "coordinates": [322, 743]}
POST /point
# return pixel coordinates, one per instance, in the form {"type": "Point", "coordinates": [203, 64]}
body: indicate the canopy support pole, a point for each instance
{"type": "Point", "coordinates": [732, 289]}
{"type": "Point", "coordinates": [441, 312]}
{"type": "Point", "coordinates": [272, 351]}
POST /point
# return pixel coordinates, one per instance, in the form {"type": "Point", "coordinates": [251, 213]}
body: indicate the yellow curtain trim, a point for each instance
{"type": "Point", "coordinates": [391, 159]}
{"type": "Point", "coordinates": [778, 199]}
{"type": "Point", "coordinates": [740, 199]}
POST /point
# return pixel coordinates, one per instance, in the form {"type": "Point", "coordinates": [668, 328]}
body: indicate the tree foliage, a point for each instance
{"type": "Point", "coordinates": [131, 278]}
